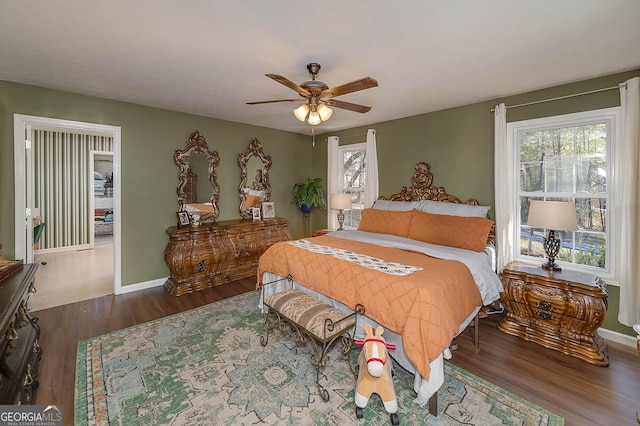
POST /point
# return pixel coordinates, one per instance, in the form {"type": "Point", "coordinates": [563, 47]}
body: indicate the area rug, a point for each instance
{"type": "Point", "coordinates": [206, 366]}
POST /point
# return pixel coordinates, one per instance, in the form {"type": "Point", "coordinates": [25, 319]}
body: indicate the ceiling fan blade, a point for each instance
{"type": "Point", "coordinates": [290, 84]}
{"type": "Point", "coordinates": [354, 86]}
{"type": "Point", "coordinates": [274, 101]}
{"type": "Point", "coordinates": [347, 105]}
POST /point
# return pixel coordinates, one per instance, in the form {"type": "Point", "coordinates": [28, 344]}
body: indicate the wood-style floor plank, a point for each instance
{"type": "Point", "coordinates": [581, 393]}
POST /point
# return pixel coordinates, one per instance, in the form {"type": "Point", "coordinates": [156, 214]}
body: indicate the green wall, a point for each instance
{"type": "Point", "coordinates": [457, 142]}
{"type": "Point", "coordinates": [149, 175]}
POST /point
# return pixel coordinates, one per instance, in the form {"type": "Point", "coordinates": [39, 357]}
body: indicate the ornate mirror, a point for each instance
{"type": "Point", "coordinates": [198, 190]}
{"type": "Point", "coordinates": [254, 178]}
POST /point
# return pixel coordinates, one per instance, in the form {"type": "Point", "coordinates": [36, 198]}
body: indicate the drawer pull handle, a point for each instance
{"type": "Point", "coordinates": [547, 306]}
{"type": "Point", "coordinates": [545, 315]}
{"type": "Point", "coordinates": [201, 266]}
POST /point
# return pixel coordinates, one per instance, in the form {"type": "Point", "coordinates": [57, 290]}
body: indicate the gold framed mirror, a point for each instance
{"type": "Point", "coordinates": [198, 190]}
{"type": "Point", "coordinates": [254, 178]}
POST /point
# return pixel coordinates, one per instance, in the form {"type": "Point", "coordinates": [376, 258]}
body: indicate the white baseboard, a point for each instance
{"type": "Point", "coordinates": [143, 285]}
{"type": "Point", "coordinates": [617, 337]}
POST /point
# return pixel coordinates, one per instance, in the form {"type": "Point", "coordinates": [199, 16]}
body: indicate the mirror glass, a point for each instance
{"type": "Point", "coordinates": [254, 178]}
{"type": "Point", "coordinates": [198, 190]}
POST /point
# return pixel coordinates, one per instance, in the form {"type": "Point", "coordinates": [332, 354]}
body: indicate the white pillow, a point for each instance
{"type": "Point", "coordinates": [257, 193]}
{"type": "Point", "coordinates": [396, 206]}
{"type": "Point", "coordinates": [453, 209]}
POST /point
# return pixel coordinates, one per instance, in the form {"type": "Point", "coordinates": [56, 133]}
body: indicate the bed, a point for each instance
{"type": "Point", "coordinates": [421, 262]}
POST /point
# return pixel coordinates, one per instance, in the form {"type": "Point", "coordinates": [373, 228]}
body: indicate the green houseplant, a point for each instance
{"type": "Point", "coordinates": [309, 194]}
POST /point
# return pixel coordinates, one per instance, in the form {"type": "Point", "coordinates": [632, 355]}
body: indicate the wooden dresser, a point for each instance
{"type": "Point", "coordinates": [559, 310]}
{"type": "Point", "coordinates": [19, 348]}
{"type": "Point", "coordinates": [216, 253]}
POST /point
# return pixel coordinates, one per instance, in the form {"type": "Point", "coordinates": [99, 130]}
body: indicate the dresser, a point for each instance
{"type": "Point", "coordinates": [560, 310]}
{"type": "Point", "coordinates": [216, 253]}
{"type": "Point", "coordinates": [20, 349]}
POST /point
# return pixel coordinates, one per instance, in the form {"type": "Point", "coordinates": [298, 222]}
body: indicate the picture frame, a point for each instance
{"type": "Point", "coordinates": [268, 210]}
{"type": "Point", "coordinates": [256, 213]}
{"type": "Point", "coordinates": [183, 219]}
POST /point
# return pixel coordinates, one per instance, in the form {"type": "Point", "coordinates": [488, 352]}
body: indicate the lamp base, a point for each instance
{"type": "Point", "coordinates": [551, 266]}
{"type": "Point", "coordinates": [551, 246]}
{"type": "Point", "coordinates": [340, 220]}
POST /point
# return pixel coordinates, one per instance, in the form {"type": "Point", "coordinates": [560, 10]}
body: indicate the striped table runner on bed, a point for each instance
{"type": "Point", "coordinates": [391, 268]}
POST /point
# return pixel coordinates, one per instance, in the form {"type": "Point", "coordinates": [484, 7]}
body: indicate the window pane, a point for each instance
{"type": "Point", "coordinates": [353, 182]}
{"type": "Point", "coordinates": [353, 169]}
{"type": "Point", "coordinates": [566, 164]}
{"type": "Point", "coordinates": [353, 215]}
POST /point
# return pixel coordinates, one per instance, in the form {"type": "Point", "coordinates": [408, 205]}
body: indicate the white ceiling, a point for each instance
{"type": "Point", "coordinates": [209, 57]}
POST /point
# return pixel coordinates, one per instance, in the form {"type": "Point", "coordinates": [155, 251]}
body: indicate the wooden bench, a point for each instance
{"type": "Point", "coordinates": [312, 318]}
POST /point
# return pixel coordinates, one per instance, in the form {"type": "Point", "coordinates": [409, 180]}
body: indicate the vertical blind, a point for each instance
{"type": "Point", "coordinates": [63, 185]}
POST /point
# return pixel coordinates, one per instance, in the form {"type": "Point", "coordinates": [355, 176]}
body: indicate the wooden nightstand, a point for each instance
{"type": "Point", "coordinates": [320, 232]}
{"type": "Point", "coordinates": [558, 310]}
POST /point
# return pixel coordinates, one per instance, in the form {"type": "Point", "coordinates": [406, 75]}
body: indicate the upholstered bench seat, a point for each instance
{"type": "Point", "coordinates": [311, 317]}
{"type": "Point", "coordinates": [310, 313]}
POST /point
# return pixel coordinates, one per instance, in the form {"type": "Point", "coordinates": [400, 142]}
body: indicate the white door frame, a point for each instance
{"type": "Point", "coordinates": [23, 174]}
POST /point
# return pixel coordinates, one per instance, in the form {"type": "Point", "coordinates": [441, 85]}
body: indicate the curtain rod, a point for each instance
{"type": "Point", "coordinates": [564, 97]}
{"type": "Point", "coordinates": [350, 136]}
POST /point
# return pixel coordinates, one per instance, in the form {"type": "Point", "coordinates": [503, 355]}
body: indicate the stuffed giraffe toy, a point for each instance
{"type": "Point", "coordinates": [374, 374]}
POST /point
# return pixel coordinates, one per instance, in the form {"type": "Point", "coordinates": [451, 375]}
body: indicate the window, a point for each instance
{"type": "Point", "coordinates": [567, 158]}
{"type": "Point", "coordinates": [352, 180]}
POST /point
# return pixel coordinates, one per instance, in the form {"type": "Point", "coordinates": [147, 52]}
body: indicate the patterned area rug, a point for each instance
{"type": "Point", "coordinates": [207, 366]}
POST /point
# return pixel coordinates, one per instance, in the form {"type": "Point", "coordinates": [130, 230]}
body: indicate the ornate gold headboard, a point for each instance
{"type": "Point", "coordinates": [421, 189]}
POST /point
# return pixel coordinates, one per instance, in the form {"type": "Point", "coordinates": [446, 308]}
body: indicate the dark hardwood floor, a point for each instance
{"type": "Point", "coordinates": [581, 393]}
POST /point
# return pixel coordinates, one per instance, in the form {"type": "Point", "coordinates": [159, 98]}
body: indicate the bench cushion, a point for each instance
{"type": "Point", "coordinates": [309, 313]}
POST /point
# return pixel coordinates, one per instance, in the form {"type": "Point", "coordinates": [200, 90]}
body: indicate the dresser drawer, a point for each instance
{"type": "Point", "coordinates": [559, 310]}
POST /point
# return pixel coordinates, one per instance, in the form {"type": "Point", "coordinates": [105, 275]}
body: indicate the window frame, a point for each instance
{"type": "Point", "coordinates": [362, 146]}
{"type": "Point", "coordinates": [613, 117]}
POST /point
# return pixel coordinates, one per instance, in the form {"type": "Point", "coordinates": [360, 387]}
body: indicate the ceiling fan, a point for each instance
{"type": "Point", "coordinates": [319, 96]}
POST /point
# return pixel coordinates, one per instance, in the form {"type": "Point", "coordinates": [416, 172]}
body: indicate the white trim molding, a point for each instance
{"type": "Point", "coordinates": [22, 126]}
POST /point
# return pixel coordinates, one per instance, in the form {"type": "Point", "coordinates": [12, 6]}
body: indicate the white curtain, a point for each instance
{"type": "Point", "coordinates": [371, 181]}
{"type": "Point", "coordinates": [333, 178]}
{"type": "Point", "coordinates": [629, 249]}
{"type": "Point", "coordinates": [503, 165]}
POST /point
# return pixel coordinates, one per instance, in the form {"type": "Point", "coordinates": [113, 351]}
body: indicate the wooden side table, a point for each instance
{"type": "Point", "coordinates": [320, 232]}
{"type": "Point", "coordinates": [560, 310]}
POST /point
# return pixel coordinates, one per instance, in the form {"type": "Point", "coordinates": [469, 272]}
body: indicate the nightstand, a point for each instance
{"type": "Point", "coordinates": [320, 232]}
{"type": "Point", "coordinates": [560, 310]}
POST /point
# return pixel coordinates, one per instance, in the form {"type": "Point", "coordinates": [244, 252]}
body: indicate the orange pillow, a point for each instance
{"type": "Point", "coordinates": [251, 201]}
{"type": "Point", "coordinates": [468, 233]}
{"type": "Point", "coordinates": [385, 222]}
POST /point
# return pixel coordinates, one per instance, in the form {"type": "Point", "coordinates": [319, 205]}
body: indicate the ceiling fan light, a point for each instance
{"type": "Point", "coordinates": [325, 112]}
{"type": "Point", "coordinates": [314, 118]}
{"type": "Point", "coordinates": [301, 112]}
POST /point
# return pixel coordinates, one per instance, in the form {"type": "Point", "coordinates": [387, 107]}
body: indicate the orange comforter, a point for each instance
{"type": "Point", "coordinates": [426, 307]}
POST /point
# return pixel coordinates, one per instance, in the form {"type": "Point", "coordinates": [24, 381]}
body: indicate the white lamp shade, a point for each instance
{"type": "Point", "coordinates": [314, 118]}
{"type": "Point", "coordinates": [325, 112]}
{"type": "Point", "coordinates": [301, 112]}
{"type": "Point", "coordinates": [554, 215]}
{"type": "Point", "coordinates": [340, 201]}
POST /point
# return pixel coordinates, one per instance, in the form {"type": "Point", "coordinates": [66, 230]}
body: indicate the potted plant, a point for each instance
{"type": "Point", "coordinates": [309, 194]}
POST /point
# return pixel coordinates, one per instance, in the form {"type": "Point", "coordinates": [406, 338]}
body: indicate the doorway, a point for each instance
{"type": "Point", "coordinates": [81, 242]}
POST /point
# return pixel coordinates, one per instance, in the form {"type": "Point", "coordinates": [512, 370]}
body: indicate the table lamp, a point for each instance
{"type": "Point", "coordinates": [552, 216]}
{"type": "Point", "coordinates": [340, 202]}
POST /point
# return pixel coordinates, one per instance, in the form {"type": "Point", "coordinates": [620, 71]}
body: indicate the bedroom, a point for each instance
{"type": "Point", "coordinates": [150, 135]}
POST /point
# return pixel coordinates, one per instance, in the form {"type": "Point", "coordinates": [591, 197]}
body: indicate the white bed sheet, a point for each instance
{"type": "Point", "coordinates": [480, 265]}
